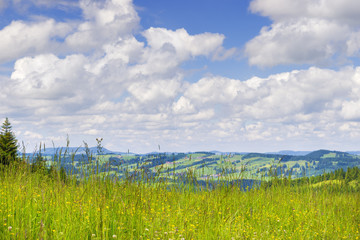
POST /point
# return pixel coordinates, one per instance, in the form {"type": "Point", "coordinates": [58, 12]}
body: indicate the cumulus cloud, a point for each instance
{"type": "Point", "coordinates": [167, 49]}
{"type": "Point", "coordinates": [106, 21]}
{"type": "Point", "coordinates": [184, 44]}
{"type": "Point", "coordinates": [305, 32]}
{"type": "Point", "coordinates": [150, 75]}
{"type": "Point", "coordinates": [33, 135]}
{"type": "Point", "coordinates": [301, 104]}
{"type": "Point", "coordinates": [214, 90]}
{"type": "Point", "coordinates": [21, 38]}
{"type": "Point", "coordinates": [346, 11]}
{"type": "Point", "coordinates": [290, 105]}
{"type": "Point", "coordinates": [155, 92]}
{"type": "Point", "coordinates": [50, 85]}
{"type": "Point", "coordinates": [351, 110]}
{"type": "Point", "coordinates": [95, 77]}
{"type": "Point", "coordinates": [44, 71]}
{"type": "Point", "coordinates": [183, 106]}
{"type": "Point", "coordinates": [303, 41]}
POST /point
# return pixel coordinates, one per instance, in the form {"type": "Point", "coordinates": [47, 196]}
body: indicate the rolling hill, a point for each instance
{"type": "Point", "coordinates": [204, 164]}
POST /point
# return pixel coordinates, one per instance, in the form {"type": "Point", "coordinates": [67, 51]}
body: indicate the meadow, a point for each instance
{"type": "Point", "coordinates": [46, 205]}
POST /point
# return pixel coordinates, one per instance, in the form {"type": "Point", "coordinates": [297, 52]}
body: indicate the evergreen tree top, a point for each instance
{"type": "Point", "coordinates": [6, 127]}
{"type": "Point", "coordinates": [8, 144]}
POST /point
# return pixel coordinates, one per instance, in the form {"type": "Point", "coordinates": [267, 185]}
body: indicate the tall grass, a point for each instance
{"type": "Point", "coordinates": [34, 205]}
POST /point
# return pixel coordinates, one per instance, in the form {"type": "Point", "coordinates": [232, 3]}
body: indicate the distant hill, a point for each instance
{"type": "Point", "coordinates": [327, 154]}
{"type": "Point", "coordinates": [354, 152]}
{"type": "Point", "coordinates": [208, 164]}
{"type": "Point", "coordinates": [292, 153]}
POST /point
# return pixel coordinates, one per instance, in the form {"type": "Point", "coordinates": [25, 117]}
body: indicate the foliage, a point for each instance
{"type": "Point", "coordinates": [347, 176]}
{"type": "Point", "coordinates": [339, 181]}
{"type": "Point", "coordinates": [8, 144]}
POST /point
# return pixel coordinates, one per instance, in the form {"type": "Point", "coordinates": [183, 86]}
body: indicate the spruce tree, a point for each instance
{"type": "Point", "coordinates": [8, 144]}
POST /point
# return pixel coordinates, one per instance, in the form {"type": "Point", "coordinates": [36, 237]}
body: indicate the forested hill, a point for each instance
{"type": "Point", "coordinates": [319, 155]}
{"type": "Point", "coordinates": [313, 163]}
{"type": "Point", "coordinates": [207, 164]}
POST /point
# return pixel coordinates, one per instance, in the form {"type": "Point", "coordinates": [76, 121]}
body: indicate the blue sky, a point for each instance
{"type": "Point", "coordinates": [252, 75]}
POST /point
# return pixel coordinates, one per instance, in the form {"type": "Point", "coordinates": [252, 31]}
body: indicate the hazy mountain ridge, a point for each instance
{"type": "Point", "coordinates": [214, 164]}
{"type": "Point", "coordinates": [94, 150]}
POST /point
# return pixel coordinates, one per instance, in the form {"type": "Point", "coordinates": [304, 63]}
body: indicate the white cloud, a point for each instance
{"type": "Point", "coordinates": [346, 11]}
{"type": "Point", "coordinates": [214, 90]}
{"type": "Point", "coordinates": [303, 41]}
{"type": "Point", "coordinates": [202, 115]}
{"type": "Point", "coordinates": [125, 51]}
{"type": "Point", "coordinates": [47, 76]}
{"type": "Point", "coordinates": [292, 105]}
{"type": "Point", "coordinates": [106, 21]}
{"type": "Point", "coordinates": [351, 110]}
{"type": "Point", "coordinates": [305, 104]}
{"type": "Point", "coordinates": [167, 49]}
{"type": "Point", "coordinates": [305, 32]}
{"type": "Point", "coordinates": [151, 77]}
{"type": "Point", "coordinates": [309, 92]}
{"type": "Point", "coordinates": [50, 85]}
{"type": "Point", "coordinates": [21, 39]}
{"type": "Point", "coordinates": [155, 91]}
{"type": "Point", "coordinates": [183, 106]}
{"type": "Point", "coordinates": [92, 132]}
{"type": "Point", "coordinates": [184, 44]}
{"type": "Point", "coordinates": [33, 135]}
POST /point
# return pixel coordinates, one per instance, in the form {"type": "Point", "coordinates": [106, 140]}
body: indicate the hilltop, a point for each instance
{"type": "Point", "coordinates": [206, 164]}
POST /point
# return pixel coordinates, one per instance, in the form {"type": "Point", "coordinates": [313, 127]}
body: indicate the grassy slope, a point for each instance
{"type": "Point", "coordinates": [33, 206]}
{"type": "Point", "coordinates": [211, 165]}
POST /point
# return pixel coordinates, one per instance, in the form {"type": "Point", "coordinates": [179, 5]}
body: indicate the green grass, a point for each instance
{"type": "Point", "coordinates": [38, 206]}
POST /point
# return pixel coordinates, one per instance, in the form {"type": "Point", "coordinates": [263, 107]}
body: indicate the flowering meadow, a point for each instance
{"type": "Point", "coordinates": [34, 205]}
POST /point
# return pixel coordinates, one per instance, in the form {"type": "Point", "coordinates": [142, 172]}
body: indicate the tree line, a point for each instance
{"type": "Point", "coordinates": [9, 154]}
{"type": "Point", "coordinates": [8, 144]}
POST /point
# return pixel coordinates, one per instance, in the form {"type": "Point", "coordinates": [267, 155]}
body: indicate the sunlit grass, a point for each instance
{"type": "Point", "coordinates": [38, 206]}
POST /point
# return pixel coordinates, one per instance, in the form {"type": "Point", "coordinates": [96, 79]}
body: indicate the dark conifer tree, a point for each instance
{"type": "Point", "coordinates": [8, 144]}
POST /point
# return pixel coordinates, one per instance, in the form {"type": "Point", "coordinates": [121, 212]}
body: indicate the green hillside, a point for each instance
{"type": "Point", "coordinates": [206, 165]}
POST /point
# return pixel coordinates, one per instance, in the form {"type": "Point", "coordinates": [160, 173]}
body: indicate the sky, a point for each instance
{"type": "Point", "coordinates": [229, 75]}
